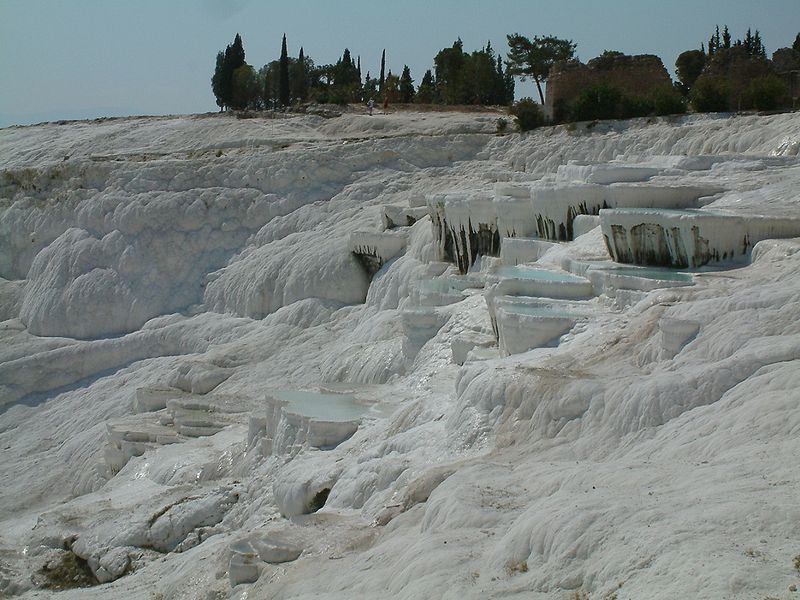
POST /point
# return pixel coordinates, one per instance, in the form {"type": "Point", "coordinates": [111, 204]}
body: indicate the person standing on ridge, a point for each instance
{"type": "Point", "coordinates": [385, 105]}
{"type": "Point", "coordinates": [370, 104]}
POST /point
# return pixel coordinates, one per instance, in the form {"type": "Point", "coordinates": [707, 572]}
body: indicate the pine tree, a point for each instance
{"type": "Point", "coordinates": [382, 80]}
{"type": "Point", "coordinates": [426, 93]}
{"type": "Point", "coordinates": [391, 87]}
{"type": "Point", "coordinates": [796, 45]}
{"type": "Point", "coordinates": [450, 73]}
{"type": "Point", "coordinates": [748, 42]}
{"type": "Point", "coordinates": [534, 58]}
{"type": "Point", "coordinates": [370, 86]}
{"type": "Point", "coordinates": [713, 43]}
{"type": "Point", "coordinates": [283, 75]}
{"type": "Point", "coordinates": [726, 38]}
{"type": "Point", "coordinates": [406, 86]}
{"type": "Point", "coordinates": [346, 81]}
{"type": "Point", "coordinates": [758, 49]}
{"type": "Point", "coordinates": [480, 78]}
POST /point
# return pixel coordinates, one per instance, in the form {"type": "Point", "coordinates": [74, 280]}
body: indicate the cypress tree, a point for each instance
{"type": "Point", "coordinates": [382, 80]}
{"type": "Point", "coordinates": [234, 58]}
{"type": "Point", "coordinates": [348, 68]}
{"type": "Point", "coordinates": [302, 85]}
{"type": "Point", "coordinates": [501, 93]}
{"type": "Point", "coordinates": [267, 91]}
{"type": "Point", "coordinates": [237, 53]}
{"type": "Point", "coordinates": [358, 68]}
{"type": "Point", "coordinates": [227, 63]}
{"type": "Point", "coordinates": [217, 81]}
{"type": "Point", "coordinates": [283, 75]}
{"type": "Point", "coordinates": [508, 78]}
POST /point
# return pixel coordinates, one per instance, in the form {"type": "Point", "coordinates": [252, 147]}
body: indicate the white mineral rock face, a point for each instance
{"type": "Point", "coordinates": [161, 277]}
{"type": "Point", "coordinates": [690, 238]}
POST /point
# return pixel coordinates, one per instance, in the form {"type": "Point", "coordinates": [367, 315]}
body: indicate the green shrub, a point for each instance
{"type": "Point", "coordinates": [528, 114]}
{"type": "Point", "coordinates": [634, 106]}
{"type": "Point", "coordinates": [561, 111]}
{"type": "Point", "coordinates": [668, 101]}
{"type": "Point", "coordinates": [767, 93]}
{"type": "Point", "coordinates": [606, 102]}
{"type": "Point", "coordinates": [607, 60]}
{"type": "Point", "coordinates": [710, 94]}
{"type": "Point", "coordinates": [597, 102]}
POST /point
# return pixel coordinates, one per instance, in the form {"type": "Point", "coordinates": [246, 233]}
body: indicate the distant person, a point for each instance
{"type": "Point", "coordinates": [370, 105]}
{"type": "Point", "coordinates": [385, 104]}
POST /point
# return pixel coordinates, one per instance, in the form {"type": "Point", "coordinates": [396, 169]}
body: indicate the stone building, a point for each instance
{"type": "Point", "coordinates": [636, 75]}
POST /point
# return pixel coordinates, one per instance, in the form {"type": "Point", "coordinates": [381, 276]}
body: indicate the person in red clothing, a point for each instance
{"type": "Point", "coordinates": [385, 104]}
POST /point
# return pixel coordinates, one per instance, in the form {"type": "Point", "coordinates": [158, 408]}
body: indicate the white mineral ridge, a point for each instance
{"type": "Point", "coordinates": [204, 261]}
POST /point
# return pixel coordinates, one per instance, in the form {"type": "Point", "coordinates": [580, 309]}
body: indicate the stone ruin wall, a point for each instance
{"type": "Point", "coordinates": [632, 75]}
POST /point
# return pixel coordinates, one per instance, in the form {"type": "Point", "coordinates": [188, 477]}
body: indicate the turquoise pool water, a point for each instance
{"type": "Point", "coordinates": [697, 212]}
{"type": "Point", "coordinates": [538, 311]}
{"type": "Point", "coordinates": [555, 311]}
{"type": "Point", "coordinates": [324, 407]}
{"type": "Point", "coordinates": [439, 286]}
{"type": "Point", "coordinates": [518, 272]}
{"type": "Point", "coordinates": [650, 273]}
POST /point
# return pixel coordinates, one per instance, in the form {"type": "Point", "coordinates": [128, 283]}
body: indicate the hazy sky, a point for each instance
{"type": "Point", "coordinates": [89, 58]}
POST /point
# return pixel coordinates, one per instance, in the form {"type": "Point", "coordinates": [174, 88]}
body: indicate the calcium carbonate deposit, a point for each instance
{"type": "Point", "coordinates": [400, 356]}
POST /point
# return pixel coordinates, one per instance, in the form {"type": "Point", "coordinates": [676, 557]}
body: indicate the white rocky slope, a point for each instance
{"type": "Point", "coordinates": [161, 277]}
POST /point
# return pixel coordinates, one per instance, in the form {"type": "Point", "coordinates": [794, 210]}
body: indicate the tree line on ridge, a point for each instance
{"type": "Point", "coordinates": [725, 75]}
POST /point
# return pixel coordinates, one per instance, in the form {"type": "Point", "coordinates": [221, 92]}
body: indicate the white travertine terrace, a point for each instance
{"type": "Point", "coordinates": [160, 277]}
